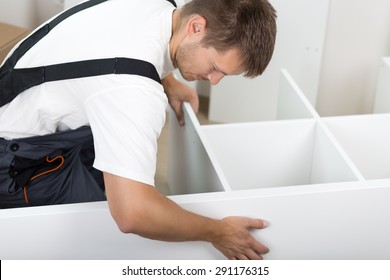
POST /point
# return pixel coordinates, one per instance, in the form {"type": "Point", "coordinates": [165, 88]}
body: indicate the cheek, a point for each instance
{"type": "Point", "coordinates": [185, 60]}
{"type": "Point", "coordinates": [191, 60]}
{"type": "Point", "coordinates": [200, 65]}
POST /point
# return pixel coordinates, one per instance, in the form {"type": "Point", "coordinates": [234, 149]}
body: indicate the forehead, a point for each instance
{"type": "Point", "coordinates": [228, 62]}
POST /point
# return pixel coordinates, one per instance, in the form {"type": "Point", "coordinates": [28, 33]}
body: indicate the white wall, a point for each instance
{"type": "Point", "coordinates": [70, 3]}
{"type": "Point", "coordinates": [20, 12]}
{"type": "Point", "coordinates": [29, 13]}
{"type": "Point", "coordinates": [358, 35]}
{"type": "Point", "coordinates": [47, 9]}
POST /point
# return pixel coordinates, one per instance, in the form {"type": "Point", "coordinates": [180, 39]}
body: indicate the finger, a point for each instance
{"type": "Point", "coordinates": [179, 113]}
{"type": "Point", "coordinates": [180, 118]}
{"type": "Point", "coordinates": [194, 101]}
{"type": "Point", "coordinates": [259, 248]}
{"type": "Point", "coordinates": [253, 255]}
{"type": "Point", "coordinates": [230, 256]}
{"type": "Point", "coordinates": [257, 224]}
{"type": "Point", "coordinates": [242, 257]}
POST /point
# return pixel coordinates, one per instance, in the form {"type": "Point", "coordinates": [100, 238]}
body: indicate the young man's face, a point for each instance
{"type": "Point", "coordinates": [198, 63]}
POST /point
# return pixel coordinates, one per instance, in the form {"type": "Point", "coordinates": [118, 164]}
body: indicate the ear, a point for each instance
{"type": "Point", "coordinates": [196, 25]}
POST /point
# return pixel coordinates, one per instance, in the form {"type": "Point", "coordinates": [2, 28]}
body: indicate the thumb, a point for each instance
{"type": "Point", "coordinates": [257, 224]}
{"type": "Point", "coordinates": [194, 102]}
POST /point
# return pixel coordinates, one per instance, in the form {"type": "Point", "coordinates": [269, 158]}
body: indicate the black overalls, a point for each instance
{"type": "Point", "coordinates": [55, 168]}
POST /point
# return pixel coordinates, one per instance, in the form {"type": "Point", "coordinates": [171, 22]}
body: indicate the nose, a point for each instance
{"type": "Point", "coordinates": [214, 77]}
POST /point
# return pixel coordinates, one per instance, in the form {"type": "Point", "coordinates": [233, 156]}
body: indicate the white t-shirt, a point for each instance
{"type": "Point", "coordinates": [126, 112]}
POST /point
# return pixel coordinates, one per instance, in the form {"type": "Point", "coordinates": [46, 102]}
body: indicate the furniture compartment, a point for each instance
{"type": "Point", "coordinates": [366, 140]}
{"type": "Point", "coordinates": [274, 154]}
{"type": "Point", "coordinates": [191, 166]}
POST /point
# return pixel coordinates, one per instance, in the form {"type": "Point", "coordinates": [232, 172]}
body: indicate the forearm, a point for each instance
{"type": "Point", "coordinates": [169, 82]}
{"type": "Point", "coordinates": [176, 224]}
{"type": "Point", "coordinates": [145, 212]}
{"type": "Point", "coordinates": [140, 209]}
{"type": "Point", "coordinates": [177, 93]}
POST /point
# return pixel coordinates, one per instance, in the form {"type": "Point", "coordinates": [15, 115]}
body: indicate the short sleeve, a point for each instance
{"type": "Point", "coordinates": [126, 122]}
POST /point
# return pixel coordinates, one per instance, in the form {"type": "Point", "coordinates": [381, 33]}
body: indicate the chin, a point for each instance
{"type": "Point", "coordinates": [188, 78]}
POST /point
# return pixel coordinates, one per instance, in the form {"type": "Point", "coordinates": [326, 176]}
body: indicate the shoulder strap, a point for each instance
{"type": "Point", "coordinates": [32, 39]}
{"type": "Point", "coordinates": [25, 78]}
{"type": "Point", "coordinates": [14, 81]}
{"type": "Point", "coordinates": [173, 3]}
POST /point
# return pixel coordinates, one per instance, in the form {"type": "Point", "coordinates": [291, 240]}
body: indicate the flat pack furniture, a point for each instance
{"type": "Point", "coordinates": [322, 183]}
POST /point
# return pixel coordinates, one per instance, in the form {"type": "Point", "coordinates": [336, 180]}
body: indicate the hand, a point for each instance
{"type": "Point", "coordinates": [236, 242]}
{"type": "Point", "coordinates": [178, 93]}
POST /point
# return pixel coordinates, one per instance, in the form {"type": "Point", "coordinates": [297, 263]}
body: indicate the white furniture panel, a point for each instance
{"type": "Point", "coordinates": [330, 162]}
{"type": "Point", "coordinates": [299, 46]}
{"type": "Point", "coordinates": [81, 231]}
{"type": "Point", "coordinates": [382, 98]}
{"type": "Point", "coordinates": [292, 102]}
{"type": "Point", "coordinates": [334, 221]}
{"type": "Point", "coordinates": [191, 170]}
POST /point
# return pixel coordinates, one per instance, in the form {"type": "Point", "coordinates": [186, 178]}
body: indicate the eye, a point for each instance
{"type": "Point", "coordinates": [217, 70]}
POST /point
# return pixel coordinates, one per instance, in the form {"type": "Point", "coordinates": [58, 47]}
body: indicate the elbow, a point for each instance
{"type": "Point", "coordinates": [126, 223]}
{"type": "Point", "coordinates": [125, 227]}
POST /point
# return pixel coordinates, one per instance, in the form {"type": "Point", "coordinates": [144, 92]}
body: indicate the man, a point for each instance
{"type": "Point", "coordinates": [46, 150]}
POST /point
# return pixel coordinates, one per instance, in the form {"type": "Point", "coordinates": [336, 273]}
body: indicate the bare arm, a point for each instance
{"type": "Point", "coordinates": [178, 93]}
{"type": "Point", "coordinates": [140, 209]}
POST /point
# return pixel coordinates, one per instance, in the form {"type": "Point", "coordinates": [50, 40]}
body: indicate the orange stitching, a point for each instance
{"type": "Point", "coordinates": [25, 194]}
{"type": "Point", "coordinates": [50, 170]}
{"type": "Point", "coordinates": [43, 173]}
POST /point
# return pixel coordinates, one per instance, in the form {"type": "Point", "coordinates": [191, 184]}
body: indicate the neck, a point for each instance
{"type": "Point", "coordinates": [175, 37]}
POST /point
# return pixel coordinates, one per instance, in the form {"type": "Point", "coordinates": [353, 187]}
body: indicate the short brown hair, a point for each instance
{"type": "Point", "coordinates": [247, 25]}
